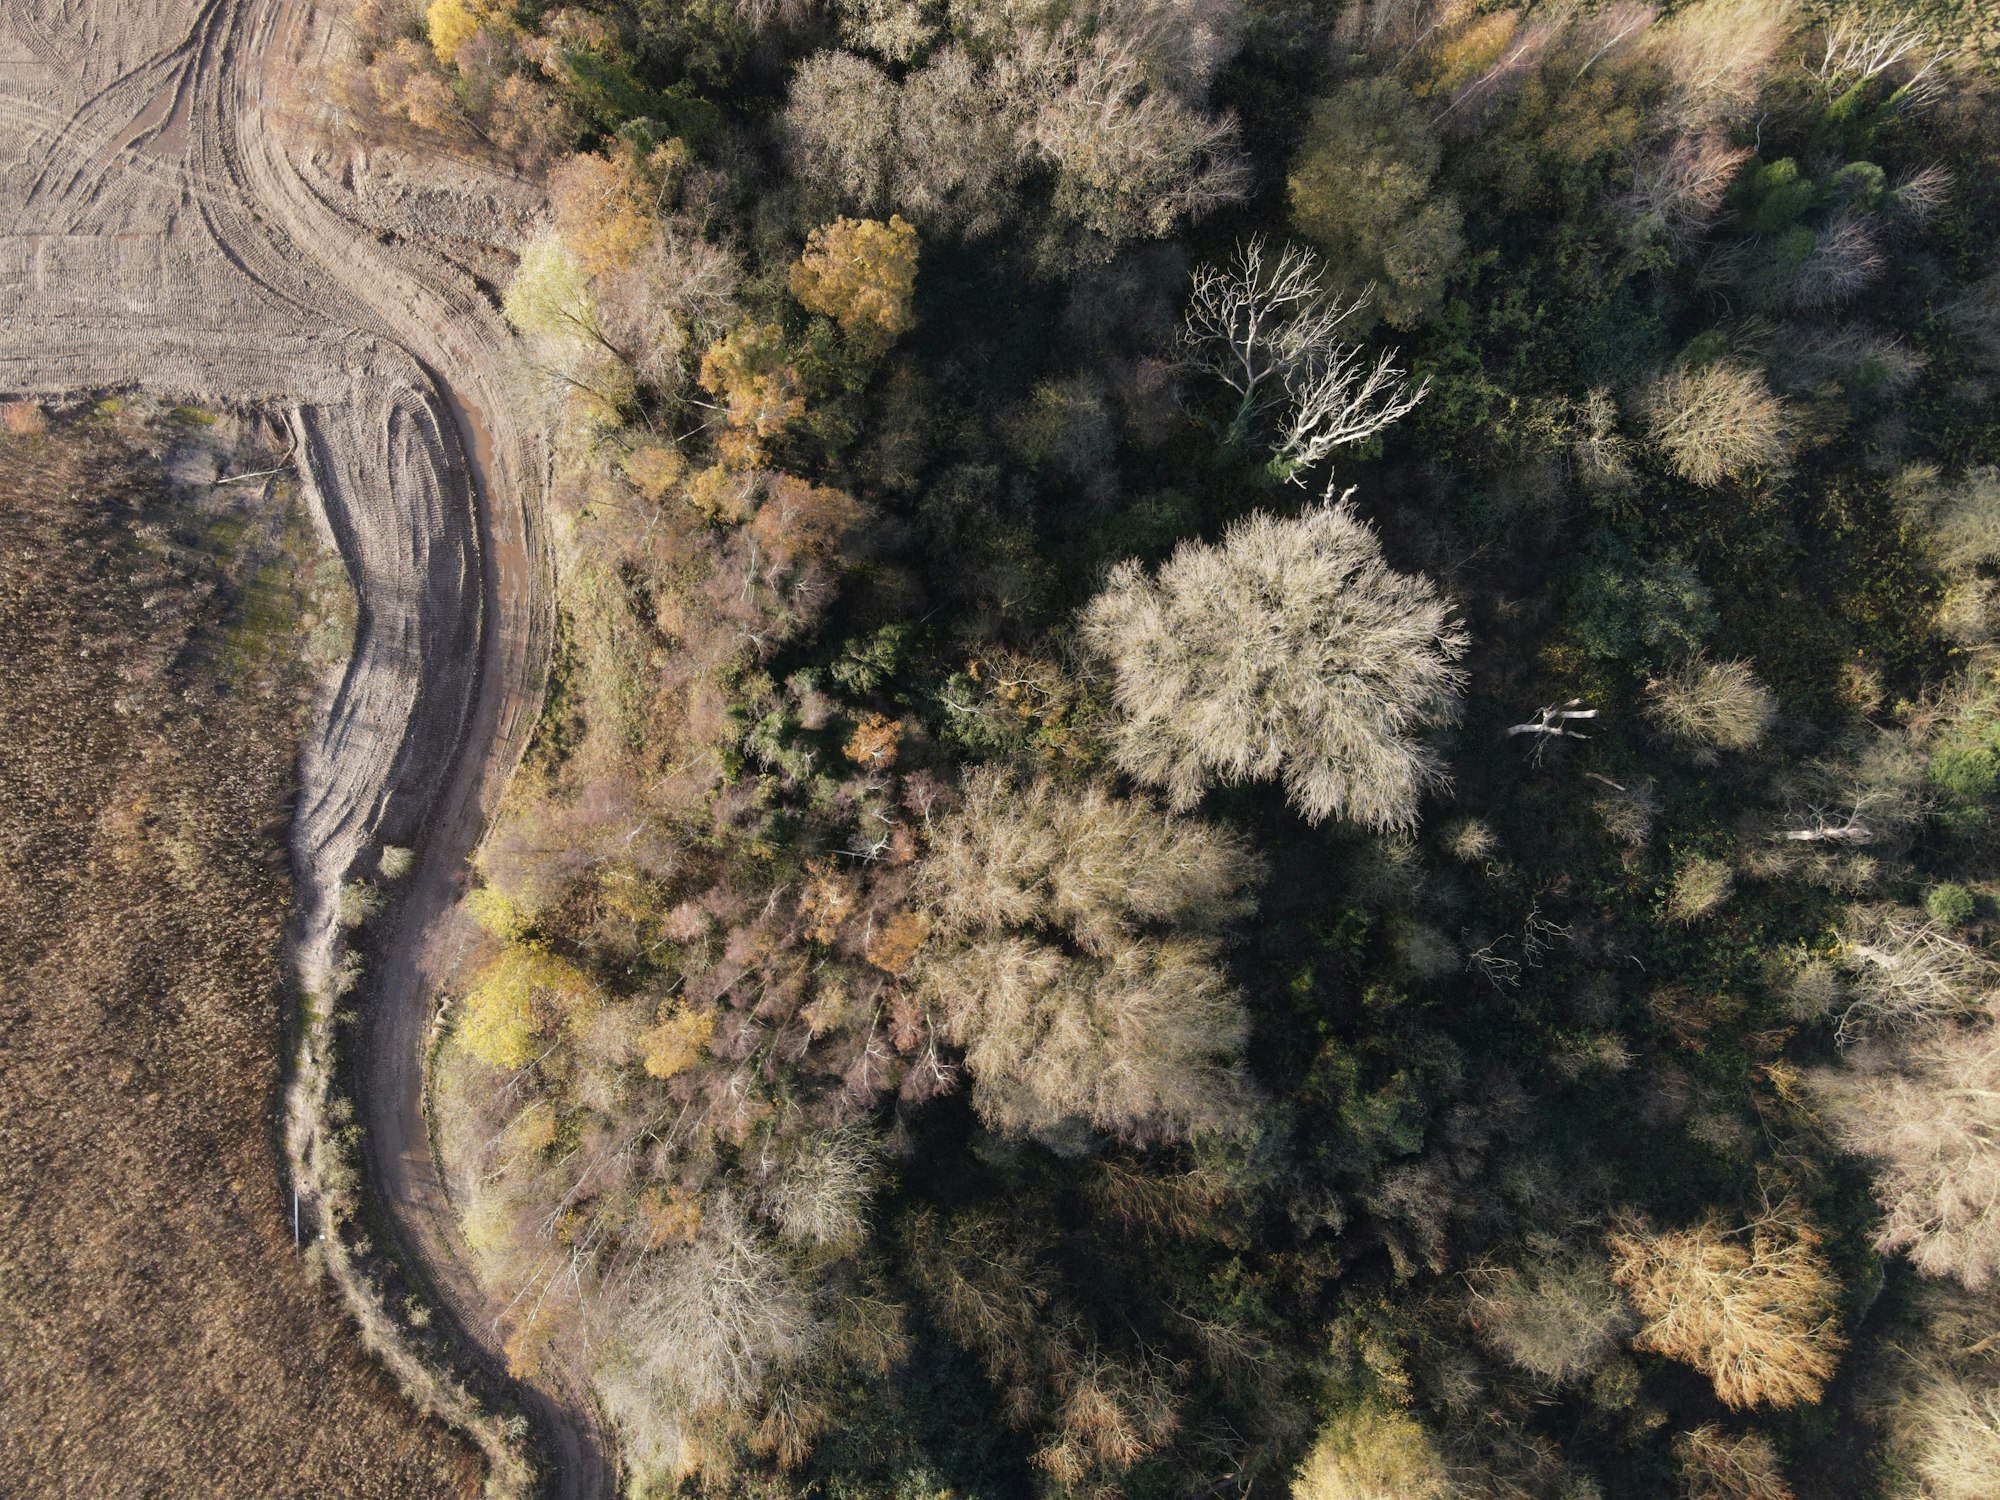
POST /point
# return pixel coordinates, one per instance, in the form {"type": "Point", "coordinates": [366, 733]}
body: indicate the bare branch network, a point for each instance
{"type": "Point", "coordinates": [1268, 331]}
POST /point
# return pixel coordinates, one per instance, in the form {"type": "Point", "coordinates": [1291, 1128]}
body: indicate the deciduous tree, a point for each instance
{"type": "Point", "coordinates": [861, 273]}
{"type": "Point", "coordinates": [1754, 1311]}
{"type": "Point", "coordinates": [1373, 1453]}
{"type": "Point", "coordinates": [1290, 650]}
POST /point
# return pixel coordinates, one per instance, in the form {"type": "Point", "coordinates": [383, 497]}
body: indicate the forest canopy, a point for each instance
{"type": "Point", "coordinates": [1274, 754]}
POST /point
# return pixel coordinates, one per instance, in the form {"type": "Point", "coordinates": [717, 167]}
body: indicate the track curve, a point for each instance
{"type": "Point", "coordinates": [161, 226]}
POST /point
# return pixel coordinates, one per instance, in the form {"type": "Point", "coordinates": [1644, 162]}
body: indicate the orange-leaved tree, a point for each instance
{"type": "Point", "coordinates": [862, 273]}
{"type": "Point", "coordinates": [1753, 1310]}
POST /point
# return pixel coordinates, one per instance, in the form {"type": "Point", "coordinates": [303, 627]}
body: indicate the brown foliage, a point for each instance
{"type": "Point", "coordinates": [1753, 1311]}
{"type": "Point", "coordinates": [162, 1333]}
{"type": "Point", "coordinates": [1715, 1466]}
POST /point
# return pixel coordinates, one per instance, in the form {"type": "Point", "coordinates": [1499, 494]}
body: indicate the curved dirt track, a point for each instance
{"type": "Point", "coordinates": [161, 227]}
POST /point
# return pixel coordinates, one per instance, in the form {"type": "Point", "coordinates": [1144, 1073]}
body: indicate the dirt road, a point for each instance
{"type": "Point", "coordinates": [165, 223]}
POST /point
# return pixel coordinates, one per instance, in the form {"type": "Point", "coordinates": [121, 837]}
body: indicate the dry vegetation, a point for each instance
{"type": "Point", "coordinates": [983, 991]}
{"type": "Point", "coordinates": [160, 1334]}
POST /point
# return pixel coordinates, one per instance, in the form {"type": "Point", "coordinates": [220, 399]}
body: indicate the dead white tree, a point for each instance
{"type": "Point", "coordinates": [1825, 826]}
{"type": "Point", "coordinates": [1553, 723]}
{"type": "Point", "coordinates": [1854, 52]}
{"type": "Point", "coordinates": [1267, 330]}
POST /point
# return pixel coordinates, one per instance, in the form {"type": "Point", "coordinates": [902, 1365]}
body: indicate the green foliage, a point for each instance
{"type": "Point", "coordinates": [1770, 197]}
{"type": "Point", "coordinates": [1950, 905]}
{"type": "Point", "coordinates": [867, 662]}
{"type": "Point", "coordinates": [1640, 612]}
{"type": "Point", "coordinates": [1361, 189]}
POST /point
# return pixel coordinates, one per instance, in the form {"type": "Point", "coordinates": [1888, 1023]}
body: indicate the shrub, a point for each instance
{"type": "Point", "coordinates": [1716, 422]}
{"type": "Point", "coordinates": [358, 902]}
{"type": "Point", "coordinates": [1706, 706]}
{"type": "Point", "coordinates": [1950, 905]}
{"type": "Point", "coordinates": [1623, 608]}
{"type": "Point", "coordinates": [1701, 887]}
{"type": "Point", "coordinates": [24, 418]}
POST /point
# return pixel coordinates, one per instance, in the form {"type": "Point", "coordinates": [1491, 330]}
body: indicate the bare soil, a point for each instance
{"type": "Point", "coordinates": [159, 1335]}
{"type": "Point", "coordinates": [179, 211]}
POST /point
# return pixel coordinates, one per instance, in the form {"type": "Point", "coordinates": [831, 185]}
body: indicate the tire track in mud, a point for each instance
{"type": "Point", "coordinates": [155, 230]}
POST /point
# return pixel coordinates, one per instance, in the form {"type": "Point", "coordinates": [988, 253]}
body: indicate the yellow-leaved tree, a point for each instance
{"type": "Point", "coordinates": [750, 371]}
{"type": "Point", "coordinates": [512, 1001]}
{"type": "Point", "coordinates": [453, 23]}
{"type": "Point", "coordinates": [607, 207]}
{"type": "Point", "coordinates": [862, 273]}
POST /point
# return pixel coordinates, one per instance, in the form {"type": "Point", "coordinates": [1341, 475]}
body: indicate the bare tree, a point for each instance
{"type": "Point", "coordinates": [1845, 258]}
{"type": "Point", "coordinates": [1756, 1314]}
{"type": "Point", "coordinates": [1557, 1315]}
{"type": "Point", "coordinates": [1705, 706]}
{"type": "Point", "coordinates": [840, 127]}
{"type": "Point", "coordinates": [1289, 650]}
{"type": "Point", "coordinates": [1715, 1466]}
{"type": "Point", "coordinates": [1677, 191]}
{"type": "Point", "coordinates": [1267, 330]}
{"type": "Point", "coordinates": [1131, 160]}
{"type": "Point", "coordinates": [1872, 793]}
{"type": "Point", "coordinates": [1716, 422]}
{"type": "Point", "coordinates": [706, 1328]}
{"type": "Point", "coordinates": [1137, 1034]}
{"type": "Point", "coordinates": [1925, 1111]}
{"type": "Point", "coordinates": [956, 160]}
{"type": "Point", "coordinates": [1905, 972]}
{"type": "Point", "coordinates": [1553, 723]}
{"type": "Point", "coordinates": [820, 1196]}
{"type": "Point", "coordinates": [1947, 1428]}
{"type": "Point", "coordinates": [1856, 48]}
